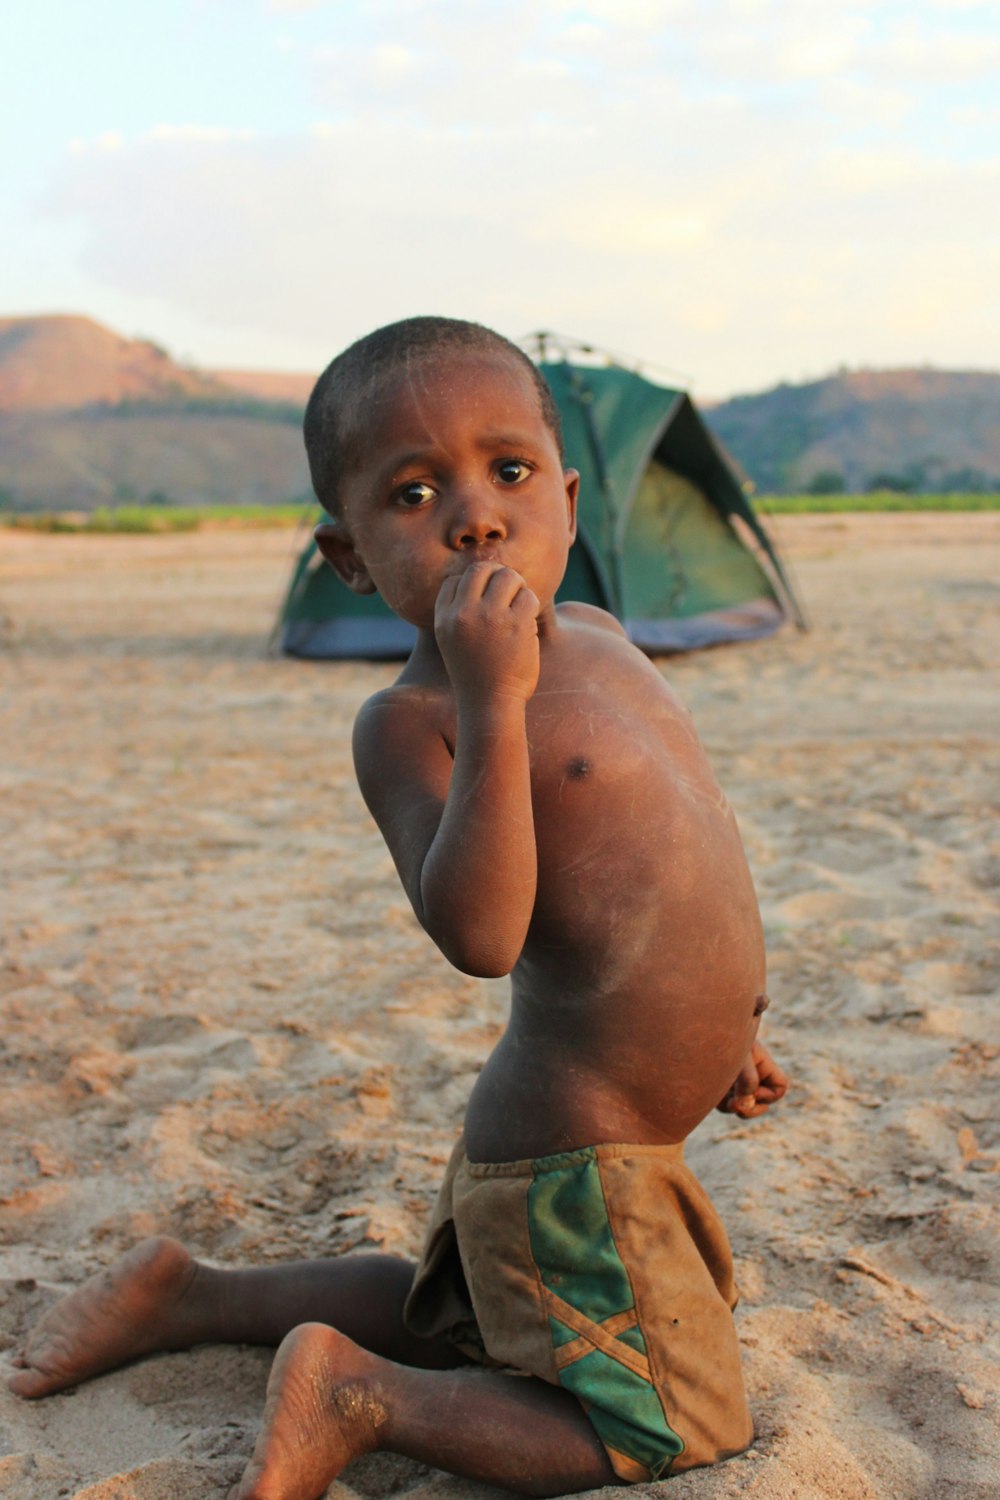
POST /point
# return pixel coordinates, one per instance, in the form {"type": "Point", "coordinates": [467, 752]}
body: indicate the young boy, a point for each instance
{"type": "Point", "coordinates": [552, 816]}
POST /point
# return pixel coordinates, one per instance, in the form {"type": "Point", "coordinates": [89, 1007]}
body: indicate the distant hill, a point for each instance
{"type": "Point", "coordinates": [88, 417]}
{"type": "Point", "coordinates": [78, 460]}
{"type": "Point", "coordinates": [64, 362]}
{"type": "Point", "coordinates": [268, 385]}
{"type": "Point", "coordinates": [906, 429]}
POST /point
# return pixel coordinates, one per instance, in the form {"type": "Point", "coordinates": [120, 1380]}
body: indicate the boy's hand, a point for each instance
{"type": "Point", "coordinates": [486, 626]}
{"type": "Point", "coordinates": [759, 1084]}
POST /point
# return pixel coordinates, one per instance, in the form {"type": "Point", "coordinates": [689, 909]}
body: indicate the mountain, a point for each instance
{"type": "Point", "coordinates": [918, 429]}
{"type": "Point", "coordinates": [62, 362]}
{"type": "Point", "coordinates": [88, 417]}
{"type": "Point", "coordinates": [268, 385]}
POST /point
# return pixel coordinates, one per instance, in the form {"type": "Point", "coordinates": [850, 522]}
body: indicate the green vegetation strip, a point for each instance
{"type": "Point", "coordinates": [149, 519]}
{"type": "Point", "coordinates": [879, 502]}
{"type": "Point", "coordinates": [164, 518]}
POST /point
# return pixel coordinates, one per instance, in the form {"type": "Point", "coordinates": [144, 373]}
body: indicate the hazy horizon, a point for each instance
{"type": "Point", "coordinates": [648, 368]}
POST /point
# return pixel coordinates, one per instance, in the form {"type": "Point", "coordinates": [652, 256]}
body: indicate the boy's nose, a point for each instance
{"type": "Point", "coordinates": [477, 522]}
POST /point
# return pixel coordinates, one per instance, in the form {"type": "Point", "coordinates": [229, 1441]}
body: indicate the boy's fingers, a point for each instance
{"type": "Point", "coordinates": [744, 1109]}
{"type": "Point", "coordinates": [759, 1084]}
{"type": "Point", "coordinates": [470, 583]}
{"type": "Point", "coordinates": [508, 590]}
{"type": "Point", "coordinates": [446, 593]}
{"type": "Point", "coordinates": [473, 581]}
{"type": "Point", "coordinates": [739, 1100]}
{"type": "Point", "coordinates": [775, 1079]}
{"type": "Point", "coordinates": [770, 1073]}
{"type": "Point", "coordinates": [766, 1063]}
{"type": "Point", "coordinates": [747, 1080]}
{"type": "Point", "coordinates": [742, 1097]}
{"type": "Point", "coordinates": [504, 586]}
{"type": "Point", "coordinates": [526, 602]}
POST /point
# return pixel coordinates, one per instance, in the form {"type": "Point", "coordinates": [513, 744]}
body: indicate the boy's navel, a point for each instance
{"type": "Point", "coordinates": [578, 767]}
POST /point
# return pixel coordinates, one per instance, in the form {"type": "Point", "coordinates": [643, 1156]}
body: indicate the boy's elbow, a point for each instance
{"type": "Point", "coordinates": [481, 955]}
{"type": "Point", "coordinates": [484, 968]}
{"type": "Point", "coordinates": [482, 946]}
{"type": "Point", "coordinates": [481, 962]}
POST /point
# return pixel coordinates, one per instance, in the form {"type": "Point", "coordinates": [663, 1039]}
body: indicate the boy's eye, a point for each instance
{"type": "Point", "coordinates": [513, 471]}
{"type": "Point", "coordinates": [414, 494]}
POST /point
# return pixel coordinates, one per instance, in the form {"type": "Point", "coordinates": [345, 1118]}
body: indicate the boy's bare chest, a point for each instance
{"type": "Point", "coordinates": [609, 777]}
{"type": "Point", "coordinates": [579, 744]}
{"type": "Point", "coordinates": [601, 719]}
{"type": "Point", "coordinates": [617, 775]}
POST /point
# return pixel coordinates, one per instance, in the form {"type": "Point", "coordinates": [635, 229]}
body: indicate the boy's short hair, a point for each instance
{"type": "Point", "coordinates": [354, 373]}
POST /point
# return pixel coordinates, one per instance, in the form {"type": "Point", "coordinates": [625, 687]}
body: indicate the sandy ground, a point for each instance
{"type": "Point", "coordinates": [220, 1019]}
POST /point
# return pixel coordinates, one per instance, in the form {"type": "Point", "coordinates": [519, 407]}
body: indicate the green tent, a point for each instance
{"type": "Point", "coordinates": [668, 541]}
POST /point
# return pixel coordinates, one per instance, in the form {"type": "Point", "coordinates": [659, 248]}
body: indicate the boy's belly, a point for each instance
{"type": "Point", "coordinates": [559, 1083]}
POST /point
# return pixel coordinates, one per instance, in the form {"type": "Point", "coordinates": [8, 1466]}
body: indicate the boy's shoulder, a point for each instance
{"type": "Point", "coordinates": [575, 613]}
{"type": "Point", "coordinates": [397, 725]}
{"type": "Point", "coordinates": [409, 702]}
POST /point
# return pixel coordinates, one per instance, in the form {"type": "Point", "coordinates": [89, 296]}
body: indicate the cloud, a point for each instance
{"type": "Point", "coordinates": [624, 175]}
{"type": "Point", "coordinates": [392, 61]}
{"type": "Point", "coordinates": [939, 57]}
{"type": "Point", "coordinates": [629, 15]}
{"type": "Point", "coordinates": [978, 116]}
{"type": "Point", "coordinates": [203, 134]}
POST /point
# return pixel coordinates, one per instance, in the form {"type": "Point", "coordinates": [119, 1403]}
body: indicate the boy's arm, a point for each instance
{"type": "Point", "coordinates": [461, 831]}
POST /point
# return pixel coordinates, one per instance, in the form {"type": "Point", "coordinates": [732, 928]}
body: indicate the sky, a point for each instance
{"type": "Point", "coordinates": [734, 192]}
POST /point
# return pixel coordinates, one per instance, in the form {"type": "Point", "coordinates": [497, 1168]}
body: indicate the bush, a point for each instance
{"type": "Point", "coordinates": [899, 484]}
{"type": "Point", "coordinates": [826, 482]}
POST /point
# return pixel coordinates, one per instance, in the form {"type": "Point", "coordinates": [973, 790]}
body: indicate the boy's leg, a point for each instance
{"type": "Point", "coordinates": [329, 1401]}
{"type": "Point", "coordinates": [158, 1297]}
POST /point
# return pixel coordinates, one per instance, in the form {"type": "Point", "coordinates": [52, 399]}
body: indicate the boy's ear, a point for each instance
{"type": "Point", "coordinates": [571, 479]}
{"type": "Point", "coordinates": [334, 541]}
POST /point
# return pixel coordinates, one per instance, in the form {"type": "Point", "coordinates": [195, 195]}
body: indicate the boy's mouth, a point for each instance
{"type": "Point", "coordinates": [487, 552]}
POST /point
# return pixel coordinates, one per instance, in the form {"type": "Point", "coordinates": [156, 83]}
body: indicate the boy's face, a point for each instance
{"type": "Point", "coordinates": [452, 463]}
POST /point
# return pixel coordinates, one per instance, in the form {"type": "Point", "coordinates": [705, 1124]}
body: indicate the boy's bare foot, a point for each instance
{"type": "Point", "coordinates": [322, 1411]}
{"type": "Point", "coordinates": [134, 1308]}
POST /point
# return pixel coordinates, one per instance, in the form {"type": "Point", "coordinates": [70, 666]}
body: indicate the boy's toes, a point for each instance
{"type": "Point", "coordinates": [28, 1382]}
{"type": "Point", "coordinates": [253, 1487]}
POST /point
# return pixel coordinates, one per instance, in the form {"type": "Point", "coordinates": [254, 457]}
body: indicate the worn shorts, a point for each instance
{"type": "Point", "coordinates": [606, 1271]}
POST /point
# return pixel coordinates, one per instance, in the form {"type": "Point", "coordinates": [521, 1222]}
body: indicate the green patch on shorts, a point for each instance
{"type": "Point", "coordinates": [599, 1346]}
